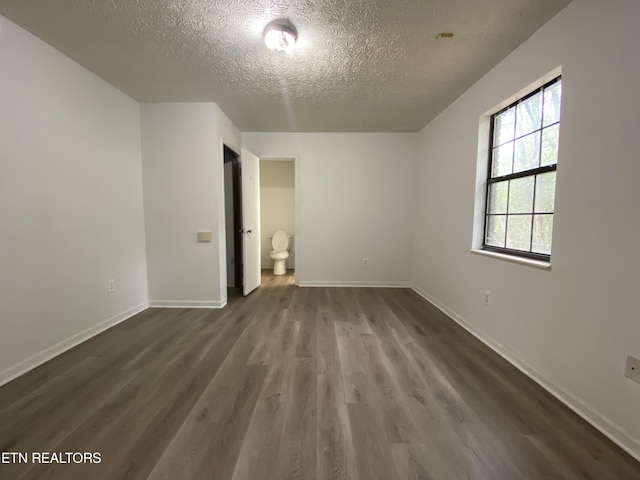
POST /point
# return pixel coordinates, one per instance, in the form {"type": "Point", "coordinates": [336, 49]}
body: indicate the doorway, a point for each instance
{"type": "Point", "coordinates": [233, 218]}
{"type": "Point", "coordinates": [277, 207]}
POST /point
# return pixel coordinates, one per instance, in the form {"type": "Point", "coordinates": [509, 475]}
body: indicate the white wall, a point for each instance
{"type": "Point", "coordinates": [573, 326]}
{"type": "Point", "coordinates": [277, 206]}
{"type": "Point", "coordinates": [352, 203]}
{"type": "Point", "coordinates": [71, 211]}
{"type": "Point", "coordinates": [182, 161]}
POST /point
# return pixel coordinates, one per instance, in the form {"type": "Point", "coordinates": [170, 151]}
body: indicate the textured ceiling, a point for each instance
{"type": "Point", "coordinates": [359, 65]}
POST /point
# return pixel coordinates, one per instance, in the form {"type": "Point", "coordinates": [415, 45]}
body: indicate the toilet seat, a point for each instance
{"type": "Point", "coordinates": [279, 255]}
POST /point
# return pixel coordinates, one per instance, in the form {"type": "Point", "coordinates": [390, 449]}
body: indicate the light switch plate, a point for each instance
{"type": "Point", "coordinates": [204, 237]}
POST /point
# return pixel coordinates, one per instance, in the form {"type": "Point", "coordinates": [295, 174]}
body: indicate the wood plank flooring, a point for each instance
{"type": "Point", "coordinates": [297, 383]}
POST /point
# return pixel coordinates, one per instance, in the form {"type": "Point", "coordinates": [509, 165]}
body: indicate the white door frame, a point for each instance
{"type": "Point", "coordinates": [222, 220]}
{"type": "Point", "coordinates": [296, 234]}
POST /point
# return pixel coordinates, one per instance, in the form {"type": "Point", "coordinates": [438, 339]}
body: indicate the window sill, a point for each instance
{"type": "Point", "coordinates": [513, 259]}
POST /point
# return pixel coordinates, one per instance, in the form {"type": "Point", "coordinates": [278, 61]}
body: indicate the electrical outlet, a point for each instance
{"type": "Point", "coordinates": [487, 297]}
{"type": "Point", "coordinates": [632, 370]}
{"type": "Point", "coordinates": [111, 286]}
{"type": "Point", "coordinates": [365, 262]}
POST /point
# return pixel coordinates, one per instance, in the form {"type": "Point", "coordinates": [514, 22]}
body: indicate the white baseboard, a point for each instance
{"type": "Point", "coordinates": [53, 351]}
{"type": "Point", "coordinates": [321, 283]}
{"type": "Point", "coordinates": [603, 424]}
{"type": "Point", "coordinates": [187, 303]}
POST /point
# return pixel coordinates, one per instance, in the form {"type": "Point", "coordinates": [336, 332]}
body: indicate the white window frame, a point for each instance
{"type": "Point", "coordinates": [483, 174]}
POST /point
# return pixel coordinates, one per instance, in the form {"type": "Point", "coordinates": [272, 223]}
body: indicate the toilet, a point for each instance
{"type": "Point", "coordinates": [280, 252]}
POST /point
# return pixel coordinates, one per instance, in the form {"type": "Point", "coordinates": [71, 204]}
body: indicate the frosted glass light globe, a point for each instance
{"type": "Point", "coordinates": [280, 36]}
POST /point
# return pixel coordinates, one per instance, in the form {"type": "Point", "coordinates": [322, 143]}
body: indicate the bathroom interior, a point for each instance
{"type": "Point", "coordinates": [277, 213]}
{"type": "Point", "coordinates": [277, 216]}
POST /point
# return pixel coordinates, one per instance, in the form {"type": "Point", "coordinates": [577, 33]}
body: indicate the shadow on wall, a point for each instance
{"type": "Point", "coordinates": [277, 205]}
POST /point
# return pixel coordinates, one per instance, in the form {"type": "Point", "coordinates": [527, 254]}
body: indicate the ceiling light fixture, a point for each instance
{"type": "Point", "coordinates": [280, 35]}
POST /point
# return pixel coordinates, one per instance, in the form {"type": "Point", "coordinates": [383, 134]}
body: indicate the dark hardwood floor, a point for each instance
{"type": "Point", "coordinates": [297, 383]}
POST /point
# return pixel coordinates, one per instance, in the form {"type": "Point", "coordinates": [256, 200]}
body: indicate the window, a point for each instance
{"type": "Point", "coordinates": [521, 179]}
